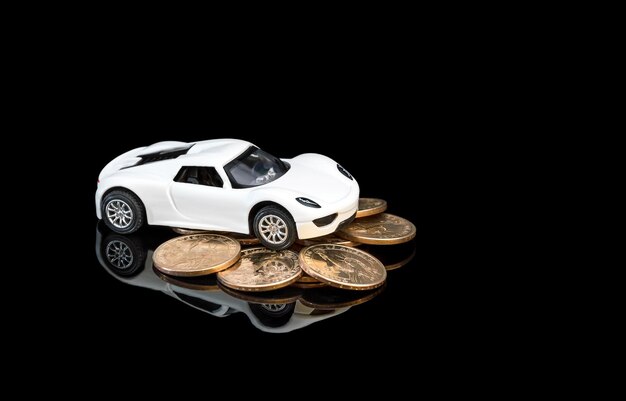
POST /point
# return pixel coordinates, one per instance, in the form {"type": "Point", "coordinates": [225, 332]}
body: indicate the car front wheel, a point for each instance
{"type": "Point", "coordinates": [274, 228]}
{"type": "Point", "coordinates": [123, 212]}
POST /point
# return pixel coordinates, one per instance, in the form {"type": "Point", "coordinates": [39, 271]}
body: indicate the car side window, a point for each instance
{"type": "Point", "coordinates": [199, 175]}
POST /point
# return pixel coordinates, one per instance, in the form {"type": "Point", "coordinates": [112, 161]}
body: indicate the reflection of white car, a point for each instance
{"type": "Point", "coordinates": [226, 185]}
{"type": "Point", "coordinates": [129, 259]}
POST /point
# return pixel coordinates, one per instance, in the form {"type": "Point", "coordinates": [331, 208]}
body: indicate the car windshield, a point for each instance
{"type": "Point", "coordinates": [255, 167]}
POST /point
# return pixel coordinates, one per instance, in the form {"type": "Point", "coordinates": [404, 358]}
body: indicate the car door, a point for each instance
{"type": "Point", "coordinates": [199, 195]}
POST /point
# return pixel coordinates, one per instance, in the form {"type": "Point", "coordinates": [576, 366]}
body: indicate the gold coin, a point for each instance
{"type": "Point", "coordinates": [343, 267]}
{"type": "Point", "coordinates": [370, 207]}
{"type": "Point", "coordinates": [305, 286]}
{"type": "Point", "coordinates": [261, 269]}
{"type": "Point", "coordinates": [327, 239]}
{"type": "Point", "coordinates": [381, 229]}
{"type": "Point", "coordinates": [333, 298]}
{"type": "Point", "coordinates": [196, 255]}
{"type": "Point", "coordinates": [200, 283]}
{"type": "Point", "coordinates": [244, 239]}
{"type": "Point", "coordinates": [285, 295]}
{"type": "Point", "coordinates": [305, 278]}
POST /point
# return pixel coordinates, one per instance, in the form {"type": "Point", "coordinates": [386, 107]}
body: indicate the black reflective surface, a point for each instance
{"type": "Point", "coordinates": [114, 303]}
{"type": "Point", "coordinates": [128, 258]}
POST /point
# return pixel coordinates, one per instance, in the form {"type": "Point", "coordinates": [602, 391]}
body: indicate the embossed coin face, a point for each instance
{"type": "Point", "coordinates": [327, 239]}
{"type": "Point", "coordinates": [343, 267]}
{"type": "Point", "coordinates": [381, 229]}
{"type": "Point", "coordinates": [261, 269]}
{"type": "Point", "coordinates": [196, 255]}
{"type": "Point", "coordinates": [242, 238]}
{"type": "Point", "coordinates": [370, 207]}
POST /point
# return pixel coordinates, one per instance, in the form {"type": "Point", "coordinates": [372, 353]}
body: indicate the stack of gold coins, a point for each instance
{"type": "Point", "coordinates": [315, 263]}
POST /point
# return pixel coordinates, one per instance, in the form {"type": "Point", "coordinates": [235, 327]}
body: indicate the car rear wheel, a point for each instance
{"type": "Point", "coordinates": [274, 228]}
{"type": "Point", "coordinates": [123, 212]}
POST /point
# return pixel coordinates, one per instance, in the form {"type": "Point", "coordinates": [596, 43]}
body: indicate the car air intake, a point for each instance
{"type": "Point", "coordinates": [346, 221]}
{"type": "Point", "coordinates": [324, 221]}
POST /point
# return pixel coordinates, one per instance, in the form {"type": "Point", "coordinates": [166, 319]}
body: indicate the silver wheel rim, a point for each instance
{"type": "Point", "coordinates": [119, 254]}
{"type": "Point", "coordinates": [119, 213]}
{"type": "Point", "coordinates": [274, 307]}
{"type": "Point", "coordinates": [273, 229]}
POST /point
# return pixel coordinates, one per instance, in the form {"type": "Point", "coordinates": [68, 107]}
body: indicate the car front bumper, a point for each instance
{"type": "Point", "coordinates": [310, 230]}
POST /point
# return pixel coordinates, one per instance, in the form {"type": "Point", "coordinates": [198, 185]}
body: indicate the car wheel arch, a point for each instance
{"type": "Point", "coordinates": [260, 205]}
{"type": "Point", "coordinates": [108, 191]}
{"type": "Point", "coordinates": [119, 188]}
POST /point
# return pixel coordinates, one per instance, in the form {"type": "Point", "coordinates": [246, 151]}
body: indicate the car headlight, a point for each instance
{"type": "Point", "coordinates": [308, 202]}
{"type": "Point", "coordinates": [344, 171]}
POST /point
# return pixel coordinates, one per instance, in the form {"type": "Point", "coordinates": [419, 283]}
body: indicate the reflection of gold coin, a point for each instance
{"type": "Point", "coordinates": [243, 239]}
{"type": "Point", "coordinates": [196, 255]}
{"type": "Point", "coordinates": [200, 283]}
{"type": "Point", "coordinates": [261, 269]}
{"type": "Point", "coordinates": [381, 229]}
{"type": "Point", "coordinates": [401, 263]}
{"type": "Point", "coordinates": [343, 267]}
{"type": "Point", "coordinates": [392, 257]}
{"type": "Point", "coordinates": [370, 207]}
{"type": "Point", "coordinates": [281, 296]}
{"type": "Point", "coordinates": [332, 298]}
{"type": "Point", "coordinates": [327, 239]}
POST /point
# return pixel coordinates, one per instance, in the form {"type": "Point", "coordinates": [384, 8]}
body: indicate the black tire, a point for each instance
{"type": "Point", "coordinates": [275, 218]}
{"type": "Point", "coordinates": [131, 214]}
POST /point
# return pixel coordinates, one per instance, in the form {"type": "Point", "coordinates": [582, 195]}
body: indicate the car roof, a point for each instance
{"type": "Point", "coordinates": [165, 155]}
{"type": "Point", "coordinates": [166, 158]}
{"type": "Point", "coordinates": [214, 152]}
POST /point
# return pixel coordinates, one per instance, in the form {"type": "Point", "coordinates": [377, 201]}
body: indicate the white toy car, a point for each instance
{"type": "Point", "coordinates": [226, 185]}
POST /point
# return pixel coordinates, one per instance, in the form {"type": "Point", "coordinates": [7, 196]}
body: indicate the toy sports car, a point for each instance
{"type": "Point", "coordinates": [226, 185]}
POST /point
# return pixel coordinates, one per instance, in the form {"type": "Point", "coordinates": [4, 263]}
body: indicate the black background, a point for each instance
{"type": "Point", "coordinates": [403, 112]}
{"type": "Point", "coordinates": [414, 113]}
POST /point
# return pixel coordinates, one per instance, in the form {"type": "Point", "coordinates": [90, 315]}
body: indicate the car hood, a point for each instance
{"type": "Point", "coordinates": [316, 177]}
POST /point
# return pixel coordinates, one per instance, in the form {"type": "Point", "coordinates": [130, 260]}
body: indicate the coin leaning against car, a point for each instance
{"type": "Point", "coordinates": [226, 185]}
